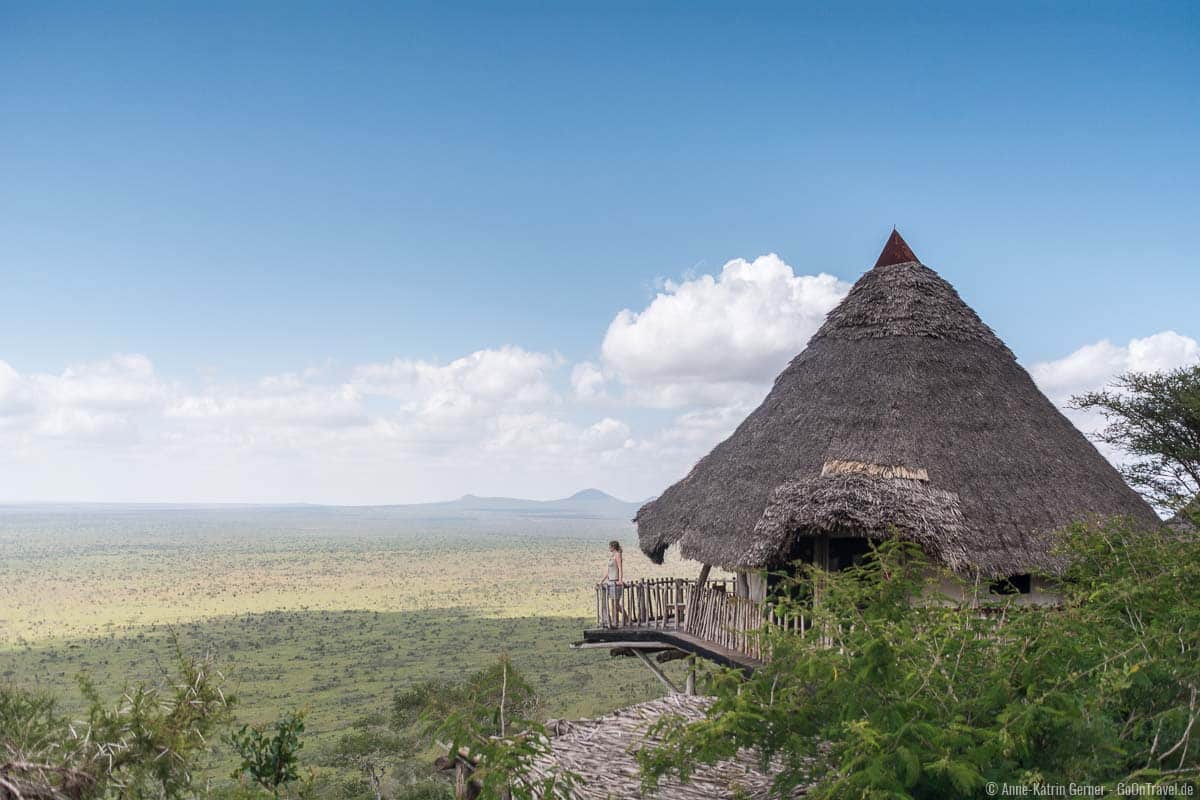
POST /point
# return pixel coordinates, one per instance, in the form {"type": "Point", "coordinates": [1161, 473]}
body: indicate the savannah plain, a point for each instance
{"type": "Point", "coordinates": [330, 610]}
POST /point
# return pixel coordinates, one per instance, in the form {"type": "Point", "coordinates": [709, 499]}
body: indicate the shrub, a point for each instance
{"type": "Point", "coordinates": [924, 700]}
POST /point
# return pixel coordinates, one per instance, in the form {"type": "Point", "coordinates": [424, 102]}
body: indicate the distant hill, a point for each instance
{"type": "Point", "coordinates": [472, 510]}
{"type": "Point", "coordinates": [587, 503]}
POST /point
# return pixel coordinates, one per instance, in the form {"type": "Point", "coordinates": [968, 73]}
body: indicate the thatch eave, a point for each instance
{"type": "Point", "coordinates": [863, 506]}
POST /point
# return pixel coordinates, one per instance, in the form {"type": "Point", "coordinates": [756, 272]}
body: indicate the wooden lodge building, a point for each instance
{"type": "Point", "coordinates": [904, 415]}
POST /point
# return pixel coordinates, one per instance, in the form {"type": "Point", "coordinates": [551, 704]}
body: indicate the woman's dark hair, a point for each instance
{"type": "Point", "coordinates": [614, 545]}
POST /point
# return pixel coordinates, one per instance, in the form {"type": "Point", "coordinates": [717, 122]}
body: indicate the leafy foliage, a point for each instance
{"type": "Point", "coordinates": [488, 720]}
{"type": "Point", "coordinates": [481, 696]}
{"type": "Point", "coordinates": [143, 746]}
{"type": "Point", "coordinates": [381, 756]}
{"type": "Point", "coordinates": [892, 697]}
{"type": "Point", "coordinates": [1155, 416]}
{"type": "Point", "coordinates": [271, 754]}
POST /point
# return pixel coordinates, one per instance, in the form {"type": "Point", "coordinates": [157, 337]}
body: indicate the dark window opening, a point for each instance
{"type": "Point", "coordinates": [1013, 584]}
{"type": "Point", "coordinates": [846, 553]}
{"type": "Point", "coordinates": [802, 550]}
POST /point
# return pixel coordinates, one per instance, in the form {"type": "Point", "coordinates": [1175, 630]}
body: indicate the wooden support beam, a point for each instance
{"type": "Point", "coordinates": [658, 673]}
{"type": "Point", "coordinates": [614, 645]}
{"type": "Point", "coordinates": [690, 617]}
{"type": "Point", "coordinates": [628, 651]}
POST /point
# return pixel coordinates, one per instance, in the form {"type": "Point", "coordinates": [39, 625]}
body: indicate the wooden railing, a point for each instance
{"type": "Point", "coordinates": [714, 614]}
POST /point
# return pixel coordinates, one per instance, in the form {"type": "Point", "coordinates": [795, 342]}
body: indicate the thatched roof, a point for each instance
{"type": "Point", "coordinates": [854, 502]}
{"type": "Point", "coordinates": [905, 413]}
{"type": "Point", "coordinates": [602, 752]}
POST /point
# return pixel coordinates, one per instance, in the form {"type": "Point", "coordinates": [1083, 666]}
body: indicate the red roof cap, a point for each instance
{"type": "Point", "coordinates": [896, 251]}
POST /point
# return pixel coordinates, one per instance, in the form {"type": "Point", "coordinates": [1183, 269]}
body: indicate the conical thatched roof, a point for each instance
{"type": "Point", "coordinates": [904, 413]}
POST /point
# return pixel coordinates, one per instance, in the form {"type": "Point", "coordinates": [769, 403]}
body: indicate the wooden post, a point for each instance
{"type": "Point", "coordinates": [462, 781]}
{"type": "Point", "coordinates": [691, 612]}
{"type": "Point", "coordinates": [690, 686]}
{"type": "Point", "coordinates": [658, 673]}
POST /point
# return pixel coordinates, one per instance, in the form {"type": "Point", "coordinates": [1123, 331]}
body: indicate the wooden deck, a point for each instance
{"type": "Point", "coordinates": [709, 620]}
{"type": "Point", "coordinates": [652, 639]}
{"type": "Point", "coordinates": [705, 619]}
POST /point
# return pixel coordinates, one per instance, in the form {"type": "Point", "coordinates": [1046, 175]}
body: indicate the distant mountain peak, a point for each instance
{"type": "Point", "coordinates": [592, 503]}
{"type": "Point", "coordinates": [591, 494]}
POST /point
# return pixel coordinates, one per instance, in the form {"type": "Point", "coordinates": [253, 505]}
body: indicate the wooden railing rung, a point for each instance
{"type": "Point", "coordinates": [718, 616]}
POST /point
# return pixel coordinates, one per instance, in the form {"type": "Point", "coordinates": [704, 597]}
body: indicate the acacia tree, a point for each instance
{"type": "Point", "coordinates": [377, 752]}
{"type": "Point", "coordinates": [1155, 417]}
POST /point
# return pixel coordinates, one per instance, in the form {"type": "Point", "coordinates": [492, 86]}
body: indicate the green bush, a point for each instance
{"type": "Point", "coordinates": [143, 746]}
{"type": "Point", "coordinates": [926, 700]}
{"type": "Point", "coordinates": [270, 755]}
{"type": "Point", "coordinates": [489, 716]}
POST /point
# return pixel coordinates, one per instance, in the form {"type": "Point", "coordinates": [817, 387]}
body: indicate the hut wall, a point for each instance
{"type": "Point", "coordinates": [758, 585]}
{"type": "Point", "coordinates": [946, 589]}
{"type": "Point", "coordinates": [1043, 591]}
{"type": "Point", "coordinates": [752, 584]}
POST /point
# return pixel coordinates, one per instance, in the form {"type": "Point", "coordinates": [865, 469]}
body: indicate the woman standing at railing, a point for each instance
{"type": "Point", "coordinates": [613, 582]}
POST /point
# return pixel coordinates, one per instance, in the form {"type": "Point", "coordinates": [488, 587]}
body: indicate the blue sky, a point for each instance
{"type": "Point", "coordinates": [237, 193]}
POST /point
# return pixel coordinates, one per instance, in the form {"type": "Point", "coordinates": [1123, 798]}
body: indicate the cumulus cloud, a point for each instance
{"type": "Point", "coordinates": [498, 420]}
{"type": "Point", "coordinates": [15, 397]}
{"type": "Point", "coordinates": [494, 411]}
{"type": "Point", "coordinates": [707, 346]}
{"type": "Point", "coordinates": [589, 381]}
{"type": "Point", "coordinates": [81, 425]}
{"type": "Point", "coordinates": [119, 383]}
{"type": "Point", "coordinates": [704, 339]}
{"type": "Point", "coordinates": [100, 401]}
{"type": "Point", "coordinates": [1094, 365]}
{"type": "Point", "coordinates": [459, 400]}
{"type": "Point", "coordinates": [274, 401]}
{"type": "Point", "coordinates": [508, 373]}
{"type": "Point", "coordinates": [607, 434]}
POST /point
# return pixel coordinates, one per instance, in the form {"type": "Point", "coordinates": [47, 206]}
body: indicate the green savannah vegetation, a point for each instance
{"type": "Point", "coordinates": [330, 613]}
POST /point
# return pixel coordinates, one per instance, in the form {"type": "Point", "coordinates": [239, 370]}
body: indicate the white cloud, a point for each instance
{"type": "Point", "coordinates": [502, 420]}
{"type": "Point", "coordinates": [589, 381]}
{"type": "Point", "coordinates": [275, 400]}
{"type": "Point", "coordinates": [100, 401]}
{"type": "Point", "coordinates": [538, 435]}
{"type": "Point", "coordinates": [15, 397]}
{"type": "Point", "coordinates": [508, 374]}
{"type": "Point", "coordinates": [119, 383]}
{"type": "Point", "coordinates": [607, 434]}
{"type": "Point", "coordinates": [1094, 365]}
{"type": "Point", "coordinates": [85, 426]}
{"type": "Point", "coordinates": [703, 339]}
